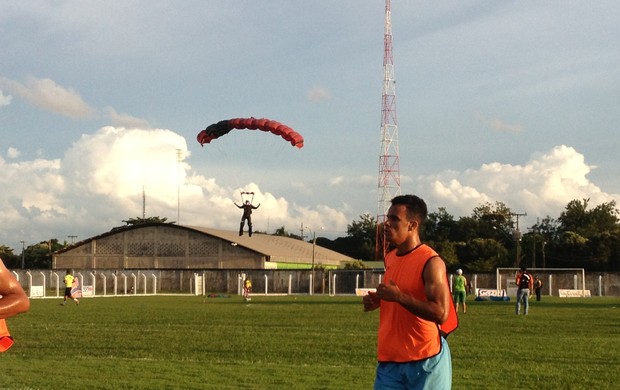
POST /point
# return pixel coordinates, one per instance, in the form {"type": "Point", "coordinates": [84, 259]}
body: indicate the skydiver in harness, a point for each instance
{"type": "Point", "coordinates": [247, 213]}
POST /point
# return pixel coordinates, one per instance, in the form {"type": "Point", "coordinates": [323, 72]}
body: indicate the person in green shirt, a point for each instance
{"type": "Point", "coordinates": [459, 285]}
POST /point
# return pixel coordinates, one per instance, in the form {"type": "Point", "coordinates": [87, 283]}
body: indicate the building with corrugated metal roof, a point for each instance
{"type": "Point", "coordinates": [171, 246]}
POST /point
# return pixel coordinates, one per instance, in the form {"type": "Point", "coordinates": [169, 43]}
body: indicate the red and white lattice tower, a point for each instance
{"type": "Point", "coordinates": [389, 171]}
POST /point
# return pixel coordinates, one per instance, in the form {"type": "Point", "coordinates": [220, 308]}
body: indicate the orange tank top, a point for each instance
{"type": "Point", "coordinates": [403, 336]}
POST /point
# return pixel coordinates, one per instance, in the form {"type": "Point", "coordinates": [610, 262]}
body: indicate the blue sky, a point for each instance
{"type": "Point", "coordinates": [497, 101]}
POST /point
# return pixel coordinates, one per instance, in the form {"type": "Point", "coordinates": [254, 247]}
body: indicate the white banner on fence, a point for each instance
{"type": "Point", "coordinates": [485, 292]}
{"type": "Point", "coordinates": [566, 293]}
{"type": "Point", "coordinates": [36, 291]}
{"type": "Point", "coordinates": [87, 291]}
{"type": "Point", "coordinates": [360, 292]}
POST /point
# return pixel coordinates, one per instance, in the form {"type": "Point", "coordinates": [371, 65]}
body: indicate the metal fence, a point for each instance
{"type": "Point", "coordinates": [49, 283]}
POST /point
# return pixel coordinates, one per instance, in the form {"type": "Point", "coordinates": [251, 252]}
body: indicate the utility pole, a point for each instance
{"type": "Point", "coordinates": [23, 253]}
{"type": "Point", "coordinates": [179, 159]}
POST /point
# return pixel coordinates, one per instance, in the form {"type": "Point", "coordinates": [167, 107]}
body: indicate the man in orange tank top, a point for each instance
{"type": "Point", "coordinates": [13, 300]}
{"type": "Point", "coordinates": [416, 308]}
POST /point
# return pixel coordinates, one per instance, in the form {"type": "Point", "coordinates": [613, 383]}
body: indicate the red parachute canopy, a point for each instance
{"type": "Point", "coordinates": [221, 128]}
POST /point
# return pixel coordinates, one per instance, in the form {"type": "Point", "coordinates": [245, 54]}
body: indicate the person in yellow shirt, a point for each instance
{"type": "Point", "coordinates": [247, 289]}
{"type": "Point", "coordinates": [68, 287]}
{"type": "Point", "coordinates": [13, 301]}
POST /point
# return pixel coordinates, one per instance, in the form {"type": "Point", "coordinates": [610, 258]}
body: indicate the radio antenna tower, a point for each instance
{"type": "Point", "coordinates": [389, 171]}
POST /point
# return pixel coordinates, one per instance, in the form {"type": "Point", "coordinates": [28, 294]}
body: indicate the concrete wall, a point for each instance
{"type": "Point", "coordinates": [156, 247]}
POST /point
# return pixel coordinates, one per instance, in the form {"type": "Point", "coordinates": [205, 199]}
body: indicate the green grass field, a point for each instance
{"type": "Point", "coordinates": [301, 342]}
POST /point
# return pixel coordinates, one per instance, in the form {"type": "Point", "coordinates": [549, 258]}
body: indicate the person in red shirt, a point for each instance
{"type": "Point", "coordinates": [416, 307]}
{"type": "Point", "coordinates": [525, 283]}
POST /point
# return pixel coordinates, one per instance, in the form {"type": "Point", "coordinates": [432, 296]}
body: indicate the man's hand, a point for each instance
{"type": "Point", "coordinates": [371, 301]}
{"type": "Point", "coordinates": [388, 292]}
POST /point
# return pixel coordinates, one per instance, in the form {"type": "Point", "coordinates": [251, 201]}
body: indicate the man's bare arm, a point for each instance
{"type": "Point", "coordinates": [14, 300]}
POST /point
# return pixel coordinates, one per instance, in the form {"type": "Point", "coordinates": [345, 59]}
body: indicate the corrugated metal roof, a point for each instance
{"type": "Point", "coordinates": [279, 248]}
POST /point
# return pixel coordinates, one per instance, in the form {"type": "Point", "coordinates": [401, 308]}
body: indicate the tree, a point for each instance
{"type": "Point", "coordinates": [359, 242]}
{"type": "Point", "coordinates": [588, 237]}
{"type": "Point", "coordinates": [483, 255]}
{"type": "Point", "coordinates": [439, 226]}
{"type": "Point", "coordinates": [9, 259]}
{"type": "Point", "coordinates": [141, 221]}
{"type": "Point", "coordinates": [362, 235]}
{"type": "Point", "coordinates": [281, 231]}
{"type": "Point", "coordinates": [39, 256]}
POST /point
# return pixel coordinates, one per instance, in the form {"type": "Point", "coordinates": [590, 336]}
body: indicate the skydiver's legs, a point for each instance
{"type": "Point", "coordinates": [241, 224]}
{"type": "Point", "coordinates": [250, 227]}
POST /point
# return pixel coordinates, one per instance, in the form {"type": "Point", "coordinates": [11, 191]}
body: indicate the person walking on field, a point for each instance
{"type": "Point", "coordinates": [416, 308]}
{"type": "Point", "coordinates": [459, 290]}
{"type": "Point", "coordinates": [525, 283]}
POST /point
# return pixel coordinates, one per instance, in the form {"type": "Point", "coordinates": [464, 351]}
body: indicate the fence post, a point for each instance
{"type": "Point", "coordinates": [290, 281]}
{"type": "Point", "coordinates": [93, 278]}
{"type": "Point", "coordinates": [44, 285]}
{"type": "Point", "coordinates": [125, 284]}
{"type": "Point", "coordinates": [144, 279]}
{"type": "Point", "coordinates": [550, 285]}
{"type": "Point", "coordinates": [266, 284]}
{"type": "Point", "coordinates": [333, 286]}
{"type": "Point", "coordinates": [29, 283]}
{"type": "Point", "coordinates": [135, 285]}
{"type": "Point", "coordinates": [57, 284]}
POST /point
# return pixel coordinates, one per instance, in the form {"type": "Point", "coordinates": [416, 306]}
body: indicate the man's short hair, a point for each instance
{"type": "Point", "coordinates": [415, 205]}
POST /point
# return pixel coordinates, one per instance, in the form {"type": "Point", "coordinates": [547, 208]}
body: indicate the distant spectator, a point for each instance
{"type": "Point", "coordinates": [537, 287]}
{"type": "Point", "coordinates": [459, 292]}
{"type": "Point", "coordinates": [525, 283]}
{"type": "Point", "coordinates": [247, 288]}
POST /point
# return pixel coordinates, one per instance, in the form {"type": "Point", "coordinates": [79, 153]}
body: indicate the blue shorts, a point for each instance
{"type": "Point", "coordinates": [433, 373]}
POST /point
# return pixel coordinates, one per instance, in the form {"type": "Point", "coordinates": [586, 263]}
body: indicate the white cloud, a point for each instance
{"type": "Point", "coordinates": [5, 100]}
{"type": "Point", "coordinates": [13, 152]}
{"type": "Point", "coordinates": [125, 120]}
{"type": "Point", "coordinates": [542, 186]}
{"type": "Point", "coordinates": [46, 94]}
{"type": "Point", "coordinates": [319, 94]}
{"type": "Point", "coordinates": [499, 125]}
